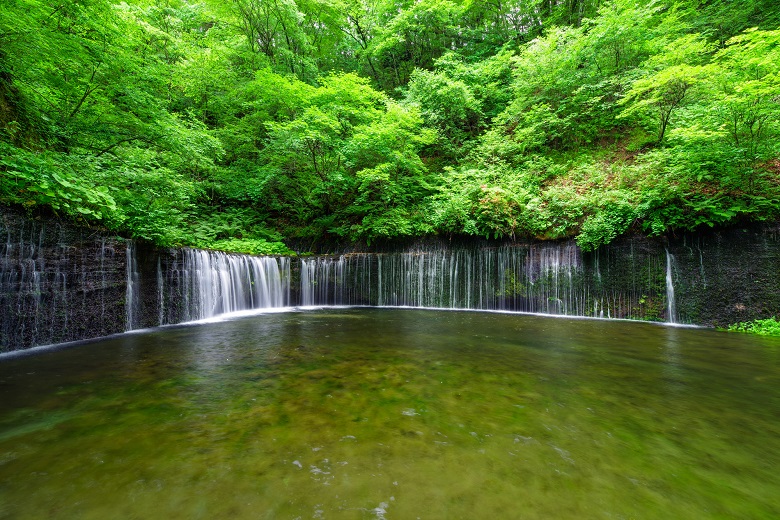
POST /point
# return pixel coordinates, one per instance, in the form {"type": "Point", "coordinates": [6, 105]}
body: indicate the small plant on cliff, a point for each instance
{"type": "Point", "coordinates": [767, 327]}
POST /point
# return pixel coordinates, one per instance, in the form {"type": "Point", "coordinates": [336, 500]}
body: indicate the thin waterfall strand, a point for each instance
{"type": "Point", "coordinates": [670, 302]}
{"type": "Point", "coordinates": [132, 297]}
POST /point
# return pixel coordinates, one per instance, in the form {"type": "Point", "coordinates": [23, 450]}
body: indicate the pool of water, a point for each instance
{"type": "Point", "coordinates": [395, 413]}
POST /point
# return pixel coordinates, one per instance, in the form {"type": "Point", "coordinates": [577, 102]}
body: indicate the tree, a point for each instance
{"type": "Point", "coordinates": [447, 105]}
{"type": "Point", "coordinates": [346, 153]}
{"type": "Point", "coordinates": [413, 36]}
{"type": "Point", "coordinates": [275, 29]}
{"type": "Point", "coordinates": [747, 96]}
{"type": "Point", "coordinates": [666, 79]}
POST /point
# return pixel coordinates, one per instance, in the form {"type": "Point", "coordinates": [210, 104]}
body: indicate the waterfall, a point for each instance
{"type": "Point", "coordinates": [60, 282]}
{"type": "Point", "coordinates": [193, 284]}
{"type": "Point", "coordinates": [160, 293]}
{"type": "Point", "coordinates": [551, 278]}
{"type": "Point", "coordinates": [23, 282]}
{"type": "Point", "coordinates": [543, 278]}
{"type": "Point", "coordinates": [132, 297]}
{"type": "Point", "coordinates": [45, 288]}
{"type": "Point", "coordinates": [670, 302]}
{"type": "Point", "coordinates": [214, 283]}
{"type": "Point", "coordinates": [57, 283]}
{"type": "Point", "coordinates": [342, 280]}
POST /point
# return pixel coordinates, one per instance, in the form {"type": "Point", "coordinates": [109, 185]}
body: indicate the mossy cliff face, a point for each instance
{"type": "Point", "coordinates": [61, 282]}
{"type": "Point", "coordinates": [718, 277]}
{"type": "Point", "coordinates": [727, 276]}
{"type": "Point", "coordinates": [58, 282]}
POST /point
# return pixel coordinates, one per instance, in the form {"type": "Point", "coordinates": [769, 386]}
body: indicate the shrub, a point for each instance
{"type": "Point", "coordinates": [767, 327]}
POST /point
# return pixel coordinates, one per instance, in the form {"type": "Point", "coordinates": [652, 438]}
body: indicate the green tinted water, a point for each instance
{"type": "Point", "coordinates": [380, 413]}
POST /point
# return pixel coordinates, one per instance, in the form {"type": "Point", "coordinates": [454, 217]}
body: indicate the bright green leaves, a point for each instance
{"type": "Point", "coordinates": [447, 105]}
{"type": "Point", "coordinates": [48, 179]}
{"type": "Point", "coordinates": [625, 33]}
{"type": "Point", "coordinates": [389, 144]}
{"type": "Point", "coordinates": [369, 119]}
{"type": "Point", "coordinates": [568, 82]}
{"type": "Point", "coordinates": [97, 80]}
{"type": "Point", "coordinates": [747, 92]}
{"type": "Point", "coordinates": [721, 111]}
{"type": "Point", "coordinates": [493, 201]}
{"type": "Point", "coordinates": [345, 157]}
{"type": "Point", "coordinates": [766, 327]}
{"type": "Point", "coordinates": [274, 29]}
{"type": "Point", "coordinates": [59, 59]}
{"type": "Point", "coordinates": [235, 229]}
{"type": "Point", "coordinates": [611, 216]}
{"type": "Point", "coordinates": [384, 157]}
{"type": "Point", "coordinates": [414, 37]}
{"type": "Point", "coordinates": [665, 81]}
{"type": "Point", "coordinates": [660, 92]}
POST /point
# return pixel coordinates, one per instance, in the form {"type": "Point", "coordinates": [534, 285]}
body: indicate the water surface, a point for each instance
{"type": "Point", "coordinates": [395, 413]}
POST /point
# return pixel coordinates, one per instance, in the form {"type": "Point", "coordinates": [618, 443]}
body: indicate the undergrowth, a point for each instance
{"type": "Point", "coordinates": [767, 327]}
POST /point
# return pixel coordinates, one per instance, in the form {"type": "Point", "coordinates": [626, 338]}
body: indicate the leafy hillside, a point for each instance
{"type": "Point", "coordinates": [236, 124]}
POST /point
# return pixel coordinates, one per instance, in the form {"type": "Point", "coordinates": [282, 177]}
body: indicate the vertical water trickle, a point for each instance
{"type": "Point", "coordinates": [103, 284]}
{"type": "Point", "coordinates": [160, 294]}
{"type": "Point", "coordinates": [132, 299]}
{"type": "Point", "coordinates": [701, 267]}
{"type": "Point", "coordinates": [307, 282]}
{"type": "Point", "coordinates": [380, 278]}
{"type": "Point", "coordinates": [670, 303]}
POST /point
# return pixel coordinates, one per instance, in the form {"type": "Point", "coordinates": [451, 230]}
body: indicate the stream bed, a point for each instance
{"type": "Point", "coordinates": [359, 413]}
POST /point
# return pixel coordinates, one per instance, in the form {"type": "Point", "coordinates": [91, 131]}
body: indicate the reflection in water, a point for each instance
{"type": "Point", "coordinates": [388, 413]}
{"type": "Point", "coordinates": [673, 369]}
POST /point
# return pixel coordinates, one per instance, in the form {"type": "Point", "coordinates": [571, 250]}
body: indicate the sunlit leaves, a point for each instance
{"type": "Point", "coordinates": [661, 92]}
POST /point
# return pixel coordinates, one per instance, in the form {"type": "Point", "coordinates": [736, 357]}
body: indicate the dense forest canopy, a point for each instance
{"type": "Point", "coordinates": [234, 124]}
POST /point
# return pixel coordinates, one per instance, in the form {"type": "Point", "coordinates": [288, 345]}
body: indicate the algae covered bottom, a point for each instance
{"type": "Point", "coordinates": [395, 413]}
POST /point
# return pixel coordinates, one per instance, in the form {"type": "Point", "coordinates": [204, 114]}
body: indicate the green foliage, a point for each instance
{"type": "Point", "coordinates": [489, 81]}
{"type": "Point", "coordinates": [767, 327]}
{"type": "Point", "coordinates": [413, 36]}
{"type": "Point", "coordinates": [51, 180]}
{"type": "Point", "coordinates": [345, 160]}
{"type": "Point", "coordinates": [611, 219]}
{"type": "Point", "coordinates": [250, 246]}
{"type": "Point", "coordinates": [723, 19]}
{"type": "Point", "coordinates": [231, 125]}
{"type": "Point", "coordinates": [447, 105]}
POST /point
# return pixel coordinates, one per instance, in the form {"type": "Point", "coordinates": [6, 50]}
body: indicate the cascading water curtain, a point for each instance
{"type": "Point", "coordinates": [215, 283]}
{"type": "Point", "coordinates": [671, 304]}
{"type": "Point", "coordinates": [538, 278]}
{"type": "Point", "coordinates": [342, 280]}
{"type": "Point", "coordinates": [535, 279]}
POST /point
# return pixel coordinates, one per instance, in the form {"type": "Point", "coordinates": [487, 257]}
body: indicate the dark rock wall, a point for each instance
{"type": "Point", "coordinates": [61, 282]}
{"type": "Point", "coordinates": [163, 297]}
{"type": "Point", "coordinates": [719, 277]}
{"type": "Point", "coordinates": [728, 276]}
{"type": "Point", "coordinates": [58, 282]}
